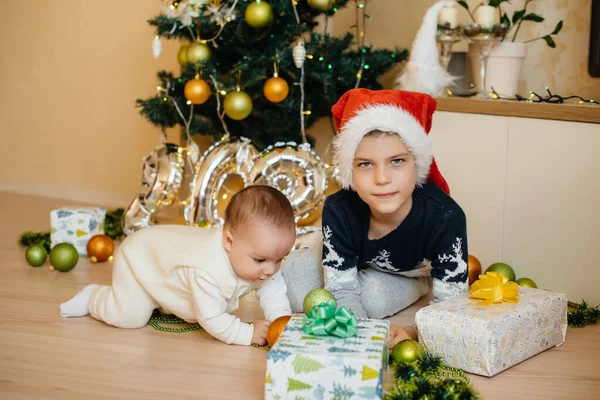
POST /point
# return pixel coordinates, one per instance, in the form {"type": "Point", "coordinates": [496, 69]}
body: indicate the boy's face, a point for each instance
{"type": "Point", "coordinates": [256, 249]}
{"type": "Point", "coordinates": [384, 174]}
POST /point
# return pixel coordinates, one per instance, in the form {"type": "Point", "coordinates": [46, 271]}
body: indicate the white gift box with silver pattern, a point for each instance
{"type": "Point", "coordinates": [486, 340]}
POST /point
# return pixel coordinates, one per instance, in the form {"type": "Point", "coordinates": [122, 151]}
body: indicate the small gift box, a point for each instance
{"type": "Point", "coordinates": [76, 226]}
{"type": "Point", "coordinates": [504, 325]}
{"type": "Point", "coordinates": [306, 365]}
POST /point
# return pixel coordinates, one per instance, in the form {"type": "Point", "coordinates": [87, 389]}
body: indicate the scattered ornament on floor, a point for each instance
{"type": "Point", "coordinates": [36, 255]}
{"type": "Point", "coordinates": [407, 351]}
{"type": "Point", "coordinates": [198, 53]}
{"type": "Point", "coordinates": [237, 105]}
{"type": "Point", "coordinates": [580, 315]}
{"type": "Point", "coordinates": [474, 268]}
{"type": "Point", "coordinates": [276, 328]}
{"type": "Point", "coordinates": [113, 223]}
{"type": "Point", "coordinates": [259, 14]}
{"type": "Point", "coordinates": [63, 257]}
{"type": "Point", "coordinates": [100, 248]}
{"type": "Point", "coordinates": [503, 269]}
{"type": "Point", "coordinates": [321, 5]}
{"type": "Point", "coordinates": [316, 297]}
{"type": "Point", "coordinates": [299, 54]}
{"type": "Point", "coordinates": [429, 378]}
{"type": "Point", "coordinates": [156, 47]}
{"type": "Point", "coordinates": [526, 282]}
{"type": "Point", "coordinates": [196, 90]}
{"type": "Point", "coordinates": [158, 318]}
{"type": "Point", "coordinates": [276, 89]}
{"type": "Point", "coordinates": [182, 55]}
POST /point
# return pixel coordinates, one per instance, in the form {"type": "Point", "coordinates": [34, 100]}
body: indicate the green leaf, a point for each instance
{"type": "Point", "coordinates": [517, 16]}
{"type": "Point", "coordinates": [549, 40]}
{"type": "Point", "coordinates": [496, 3]}
{"type": "Point", "coordinates": [504, 21]}
{"type": "Point", "coordinates": [533, 17]}
{"type": "Point", "coordinates": [464, 4]}
{"type": "Point", "coordinates": [558, 28]}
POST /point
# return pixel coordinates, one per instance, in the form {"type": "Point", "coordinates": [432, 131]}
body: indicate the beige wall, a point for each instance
{"type": "Point", "coordinates": [70, 72]}
{"type": "Point", "coordinates": [563, 69]}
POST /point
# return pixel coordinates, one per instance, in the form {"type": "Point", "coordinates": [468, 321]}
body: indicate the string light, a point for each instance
{"type": "Point", "coordinates": [536, 98]}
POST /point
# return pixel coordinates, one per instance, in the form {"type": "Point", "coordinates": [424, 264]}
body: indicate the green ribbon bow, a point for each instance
{"type": "Point", "coordinates": [323, 320]}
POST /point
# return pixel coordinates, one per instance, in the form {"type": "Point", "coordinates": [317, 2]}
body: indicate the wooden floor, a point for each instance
{"type": "Point", "coordinates": [43, 356]}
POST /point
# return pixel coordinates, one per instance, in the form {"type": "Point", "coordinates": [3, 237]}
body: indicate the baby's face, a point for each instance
{"type": "Point", "coordinates": [256, 249]}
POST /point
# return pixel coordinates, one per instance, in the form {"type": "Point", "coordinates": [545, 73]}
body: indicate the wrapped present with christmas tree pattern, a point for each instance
{"type": "Point", "coordinates": [76, 225]}
{"type": "Point", "coordinates": [496, 326]}
{"type": "Point", "coordinates": [328, 362]}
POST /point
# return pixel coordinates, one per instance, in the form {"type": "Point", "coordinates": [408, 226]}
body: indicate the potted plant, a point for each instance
{"type": "Point", "coordinates": [506, 56]}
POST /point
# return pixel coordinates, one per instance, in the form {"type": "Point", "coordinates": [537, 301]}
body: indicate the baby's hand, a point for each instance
{"type": "Point", "coordinates": [259, 336]}
{"type": "Point", "coordinates": [398, 334]}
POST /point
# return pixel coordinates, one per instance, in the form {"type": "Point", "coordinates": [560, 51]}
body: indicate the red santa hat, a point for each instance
{"type": "Point", "coordinates": [360, 111]}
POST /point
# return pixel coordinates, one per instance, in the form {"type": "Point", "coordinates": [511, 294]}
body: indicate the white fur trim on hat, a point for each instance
{"type": "Point", "coordinates": [385, 118]}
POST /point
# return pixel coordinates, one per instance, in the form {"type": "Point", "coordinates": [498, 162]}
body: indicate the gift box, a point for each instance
{"type": "Point", "coordinates": [306, 366]}
{"type": "Point", "coordinates": [487, 339]}
{"type": "Point", "coordinates": [76, 226]}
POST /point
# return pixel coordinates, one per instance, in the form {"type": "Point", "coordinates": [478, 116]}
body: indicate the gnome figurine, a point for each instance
{"type": "Point", "coordinates": [423, 72]}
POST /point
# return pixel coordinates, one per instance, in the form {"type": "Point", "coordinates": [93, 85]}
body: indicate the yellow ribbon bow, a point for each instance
{"type": "Point", "coordinates": [493, 287]}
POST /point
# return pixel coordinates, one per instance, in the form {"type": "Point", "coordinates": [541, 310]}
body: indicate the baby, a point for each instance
{"type": "Point", "coordinates": [200, 274]}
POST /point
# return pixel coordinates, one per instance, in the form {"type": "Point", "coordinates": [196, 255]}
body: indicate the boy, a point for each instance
{"type": "Point", "coordinates": [199, 274]}
{"type": "Point", "coordinates": [394, 223]}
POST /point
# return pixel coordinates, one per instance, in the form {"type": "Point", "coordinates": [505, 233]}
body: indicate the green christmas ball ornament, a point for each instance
{"type": "Point", "coordinates": [182, 55]}
{"type": "Point", "coordinates": [321, 5]}
{"type": "Point", "coordinates": [259, 14]}
{"type": "Point", "coordinates": [407, 351]}
{"type": "Point", "coordinates": [316, 297]}
{"type": "Point", "coordinates": [503, 269]}
{"type": "Point", "coordinates": [36, 255]}
{"type": "Point", "coordinates": [526, 282]}
{"type": "Point", "coordinates": [237, 105]}
{"type": "Point", "coordinates": [63, 257]}
{"type": "Point", "coordinates": [198, 53]}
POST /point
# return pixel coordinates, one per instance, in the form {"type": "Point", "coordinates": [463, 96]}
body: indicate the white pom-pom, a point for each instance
{"type": "Point", "coordinates": [299, 54]}
{"type": "Point", "coordinates": [156, 46]}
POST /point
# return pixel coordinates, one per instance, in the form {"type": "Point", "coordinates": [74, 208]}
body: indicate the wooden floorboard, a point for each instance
{"type": "Point", "coordinates": [43, 356]}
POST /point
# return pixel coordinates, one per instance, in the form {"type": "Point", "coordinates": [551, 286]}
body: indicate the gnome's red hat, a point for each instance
{"type": "Point", "coordinates": [360, 111]}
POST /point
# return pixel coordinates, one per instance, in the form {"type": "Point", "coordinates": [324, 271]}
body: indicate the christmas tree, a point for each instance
{"type": "Point", "coordinates": [259, 69]}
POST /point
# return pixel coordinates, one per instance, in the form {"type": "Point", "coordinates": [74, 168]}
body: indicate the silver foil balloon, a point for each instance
{"type": "Point", "coordinates": [136, 217]}
{"type": "Point", "coordinates": [296, 171]}
{"type": "Point", "coordinates": [162, 176]}
{"type": "Point", "coordinates": [227, 157]}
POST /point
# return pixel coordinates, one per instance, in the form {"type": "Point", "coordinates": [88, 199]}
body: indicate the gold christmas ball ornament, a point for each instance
{"type": "Point", "coordinates": [198, 53]}
{"type": "Point", "coordinates": [63, 257]}
{"type": "Point", "coordinates": [407, 351]}
{"type": "Point", "coordinates": [474, 268]}
{"type": "Point", "coordinates": [99, 248]}
{"type": "Point", "coordinates": [237, 105]}
{"type": "Point", "coordinates": [197, 91]}
{"type": "Point", "coordinates": [276, 328]}
{"type": "Point", "coordinates": [182, 55]}
{"type": "Point", "coordinates": [321, 5]}
{"type": "Point", "coordinates": [276, 89]}
{"type": "Point", "coordinates": [259, 14]}
{"type": "Point", "coordinates": [316, 297]}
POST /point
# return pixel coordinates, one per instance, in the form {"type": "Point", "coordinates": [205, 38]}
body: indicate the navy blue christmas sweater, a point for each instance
{"type": "Point", "coordinates": [432, 240]}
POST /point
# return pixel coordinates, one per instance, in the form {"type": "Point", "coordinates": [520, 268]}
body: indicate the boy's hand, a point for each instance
{"type": "Point", "coordinates": [259, 336]}
{"type": "Point", "coordinates": [398, 334]}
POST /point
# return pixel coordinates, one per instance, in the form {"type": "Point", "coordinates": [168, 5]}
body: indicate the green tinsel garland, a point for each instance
{"type": "Point", "coordinates": [581, 315]}
{"type": "Point", "coordinates": [428, 379]}
{"type": "Point", "coordinates": [112, 228]}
